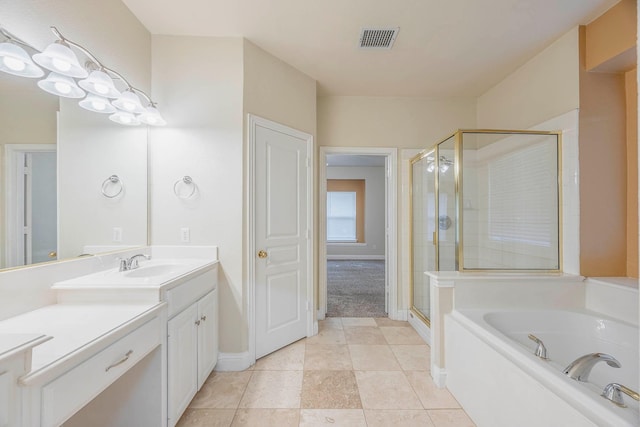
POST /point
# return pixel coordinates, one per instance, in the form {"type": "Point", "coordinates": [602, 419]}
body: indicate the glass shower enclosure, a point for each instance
{"type": "Point", "coordinates": [485, 200]}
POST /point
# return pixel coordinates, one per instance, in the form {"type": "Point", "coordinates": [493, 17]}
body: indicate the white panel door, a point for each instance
{"type": "Point", "coordinates": [281, 233]}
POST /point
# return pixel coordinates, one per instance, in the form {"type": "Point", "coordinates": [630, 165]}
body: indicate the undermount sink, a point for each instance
{"type": "Point", "coordinates": [154, 270]}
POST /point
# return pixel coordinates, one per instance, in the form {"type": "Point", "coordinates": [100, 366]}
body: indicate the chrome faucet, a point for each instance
{"type": "Point", "coordinates": [580, 368]}
{"type": "Point", "coordinates": [541, 350]}
{"type": "Point", "coordinates": [614, 391]}
{"type": "Point", "coordinates": [127, 264]}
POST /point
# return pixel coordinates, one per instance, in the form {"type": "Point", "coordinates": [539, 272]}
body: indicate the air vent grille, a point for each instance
{"type": "Point", "coordinates": [378, 38]}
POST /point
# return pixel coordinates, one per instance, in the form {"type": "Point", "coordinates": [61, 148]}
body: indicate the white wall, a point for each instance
{"type": "Point", "coordinates": [203, 139]}
{"type": "Point", "coordinates": [91, 148]}
{"type": "Point", "coordinates": [206, 108]}
{"type": "Point", "coordinates": [374, 213]}
{"type": "Point", "coordinates": [544, 87]}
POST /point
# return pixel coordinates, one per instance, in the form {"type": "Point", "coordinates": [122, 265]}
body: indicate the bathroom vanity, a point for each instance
{"type": "Point", "coordinates": [119, 347]}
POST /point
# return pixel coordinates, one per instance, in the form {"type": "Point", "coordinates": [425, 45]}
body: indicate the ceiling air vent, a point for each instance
{"type": "Point", "coordinates": [378, 38]}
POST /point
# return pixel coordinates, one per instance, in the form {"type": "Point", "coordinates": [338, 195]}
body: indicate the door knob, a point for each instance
{"type": "Point", "coordinates": [53, 254]}
{"type": "Point", "coordinates": [262, 254]}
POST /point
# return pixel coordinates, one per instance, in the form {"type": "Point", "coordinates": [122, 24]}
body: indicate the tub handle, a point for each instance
{"type": "Point", "coordinates": [614, 391]}
{"type": "Point", "coordinates": [541, 350]}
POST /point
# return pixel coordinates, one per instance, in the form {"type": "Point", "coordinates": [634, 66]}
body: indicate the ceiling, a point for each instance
{"type": "Point", "coordinates": [444, 47]}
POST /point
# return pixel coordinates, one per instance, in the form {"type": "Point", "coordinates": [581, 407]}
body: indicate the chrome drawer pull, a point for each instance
{"type": "Point", "coordinates": [121, 361]}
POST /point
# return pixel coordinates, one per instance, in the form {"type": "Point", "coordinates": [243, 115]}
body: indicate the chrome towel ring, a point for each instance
{"type": "Point", "coordinates": [187, 182]}
{"type": "Point", "coordinates": [112, 181]}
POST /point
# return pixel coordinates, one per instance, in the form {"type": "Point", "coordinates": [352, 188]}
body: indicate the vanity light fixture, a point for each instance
{"type": "Point", "coordinates": [124, 118]}
{"type": "Point", "coordinates": [99, 83]}
{"type": "Point", "coordinates": [61, 85]}
{"type": "Point", "coordinates": [130, 102]}
{"type": "Point", "coordinates": [59, 57]}
{"type": "Point", "coordinates": [126, 108]}
{"type": "Point", "coordinates": [97, 104]}
{"type": "Point", "coordinates": [445, 164]}
{"type": "Point", "coordinates": [15, 60]}
{"type": "Point", "coordinates": [152, 117]}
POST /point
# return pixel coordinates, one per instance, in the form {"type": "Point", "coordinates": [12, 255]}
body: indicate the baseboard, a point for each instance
{"type": "Point", "coordinates": [402, 315]}
{"type": "Point", "coordinates": [420, 327]}
{"type": "Point", "coordinates": [233, 361]}
{"type": "Point", "coordinates": [355, 257]}
{"type": "Point", "coordinates": [439, 376]}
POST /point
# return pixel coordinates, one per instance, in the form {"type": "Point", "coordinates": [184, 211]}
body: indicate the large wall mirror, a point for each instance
{"type": "Point", "coordinates": [58, 195]}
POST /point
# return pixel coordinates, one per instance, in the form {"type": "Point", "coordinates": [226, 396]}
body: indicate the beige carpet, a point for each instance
{"type": "Point", "coordinates": [355, 289]}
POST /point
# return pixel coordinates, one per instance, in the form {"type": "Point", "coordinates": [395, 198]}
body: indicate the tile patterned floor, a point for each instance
{"type": "Point", "coordinates": [355, 372]}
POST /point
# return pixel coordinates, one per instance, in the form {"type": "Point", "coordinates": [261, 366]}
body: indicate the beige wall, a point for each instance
{"type": "Point", "coordinates": [352, 121]}
{"type": "Point", "coordinates": [612, 36]}
{"type": "Point", "coordinates": [544, 87]}
{"type": "Point", "coordinates": [631, 87]}
{"type": "Point", "coordinates": [603, 172]}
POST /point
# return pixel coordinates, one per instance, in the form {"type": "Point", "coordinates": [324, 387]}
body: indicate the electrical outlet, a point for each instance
{"type": "Point", "coordinates": [185, 235]}
{"type": "Point", "coordinates": [117, 234]}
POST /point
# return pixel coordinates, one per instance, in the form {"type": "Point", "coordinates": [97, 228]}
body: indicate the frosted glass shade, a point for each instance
{"type": "Point", "coordinates": [100, 83]}
{"type": "Point", "coordinates": [97, 104]}
{"type": "Point", "coordinates": [60, 85]}
{"type": "Point", "coordinates": [15, 60]}
{"type": "Point", "coordinates": [129, 102]}
{"type": "Point", "coordinates": [60, 58]}
{"type": "Point", "coordinates": [152, 117]}
{"type": "Point", "coordinates": [124, 118]}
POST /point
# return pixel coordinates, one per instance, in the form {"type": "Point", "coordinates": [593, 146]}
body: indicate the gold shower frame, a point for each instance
{"type": "Point", "coordinates": [459, 246]}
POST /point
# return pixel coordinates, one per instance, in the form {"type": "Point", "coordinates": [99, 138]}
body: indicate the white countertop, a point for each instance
{"type": "Point", "coordinates": [76, 332]}
{"type": "Point", "coordinates": [13, 343]}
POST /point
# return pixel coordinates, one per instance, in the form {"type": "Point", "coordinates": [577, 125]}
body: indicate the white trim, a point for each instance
{"type": "Point", "coordinates": [320, 315]}
{"type": "Point", "coordinates": [421, 328]}
{"type": "Point", "coordinates": [252, 122]}
{"type": "Point", "coordinates": [391, 246]}
{"type": "Point", "coordinates": [233, 362]}
{"type": "Point", "coordinates": [439, 376]}
{"type": "Point", "coordinates": [10, 198]}
{"type": "Point", "coordinates": [402, 315]}
{"type": "Point", "coordinates": [355, 257]}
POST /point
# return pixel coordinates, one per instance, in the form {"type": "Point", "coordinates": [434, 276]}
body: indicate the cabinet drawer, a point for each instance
{"type": "Point", "coordinates": [184, 295]}
{"type": "Point", "coordinates": [65, 395]}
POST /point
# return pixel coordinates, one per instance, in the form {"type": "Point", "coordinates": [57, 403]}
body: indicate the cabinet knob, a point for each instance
{"type": "Point", "coordinates": [203, 318]}
{"type": "Point", "coordinates": [197, 323]}
{"type": "Point", "coordinates": [262, 254]}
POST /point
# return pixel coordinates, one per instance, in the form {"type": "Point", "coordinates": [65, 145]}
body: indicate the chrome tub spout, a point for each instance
{"type": "Point", "coordinates": [580, 368]}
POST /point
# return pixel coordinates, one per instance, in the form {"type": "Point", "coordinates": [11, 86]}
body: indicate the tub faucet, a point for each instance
{"type": "Point", "coordinates": [614, 391]}
{"type": "Point", "coordinates": [580, 368]}
{"type": "Point", "coordinates": [541, 350]}
{"type": "Point", "coordinates": [127, 264]}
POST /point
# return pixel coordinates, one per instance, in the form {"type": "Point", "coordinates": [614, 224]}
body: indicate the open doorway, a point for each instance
{"type": "Point", "coordinates": [357, 224]}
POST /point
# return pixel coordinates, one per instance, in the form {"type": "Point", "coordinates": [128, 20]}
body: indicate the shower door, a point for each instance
{"type": "Point", "coordinates": [423, 231]}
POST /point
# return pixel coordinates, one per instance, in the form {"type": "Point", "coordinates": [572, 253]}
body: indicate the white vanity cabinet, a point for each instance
{"type": "Point", "coordinates": [192, 344]}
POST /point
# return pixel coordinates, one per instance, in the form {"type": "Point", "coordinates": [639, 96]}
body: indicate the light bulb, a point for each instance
{"type": "Point", "coordinates": [97, 105]}
{"type": "Point", "coordinates": [129, 106]}
{"type": "Point", "coordinates": [62, 87]}
{"type": "Point", "coordinates": [101, 88]}
{"type": "Point", "coordinates": [14, 64]}
{"type": "Point", "coordinates": [152, 120]}
{"type": "Point", "coordinates": [125, 119]}
{"type": "Point", "coordinates": [61, 64]}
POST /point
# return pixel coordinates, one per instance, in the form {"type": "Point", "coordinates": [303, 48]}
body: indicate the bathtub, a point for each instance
{"type": "Point", "coordinates": [492, 371]}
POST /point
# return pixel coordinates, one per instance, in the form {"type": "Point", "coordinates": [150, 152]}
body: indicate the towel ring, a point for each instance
{"type": "Point", "coordinates": [187, 181]}
{"type": "Point", "coordinates": [113, 179]}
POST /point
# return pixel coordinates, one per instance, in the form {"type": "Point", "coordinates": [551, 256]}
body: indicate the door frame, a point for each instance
{"type": "Point", "coordinates": [11, 198]}
{"type": "Point", "coordinates": [391, 206]}
{"type": "Point", "coordinates": [254, 121]}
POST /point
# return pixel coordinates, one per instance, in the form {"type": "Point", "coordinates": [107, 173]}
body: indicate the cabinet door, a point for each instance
{"type": "Point", "coordinates": [207, 335]}
{"type": "Point", "coordinates": [182, 361]}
